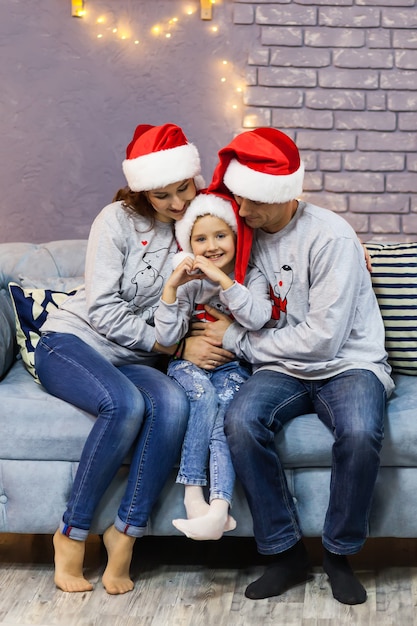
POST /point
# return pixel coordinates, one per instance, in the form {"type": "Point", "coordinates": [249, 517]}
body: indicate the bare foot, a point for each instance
{"type": "Point", "coordinates": [116, 577]}
{"type": "Point", "coordinates": [69, 561]}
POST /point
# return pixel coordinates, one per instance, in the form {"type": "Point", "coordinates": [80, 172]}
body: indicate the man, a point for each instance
{"type": "Point", "coordinates": [323, 352]}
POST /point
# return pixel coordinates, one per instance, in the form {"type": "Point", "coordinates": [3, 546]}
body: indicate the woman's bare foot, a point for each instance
{"type": "Point", "coordinates": [69, 562]}
{"type": "Point", "coordinates": [116, 577]}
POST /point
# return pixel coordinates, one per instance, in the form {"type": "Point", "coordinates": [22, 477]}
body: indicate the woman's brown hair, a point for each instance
{"type": "Point", "coordinates": [136, 202]}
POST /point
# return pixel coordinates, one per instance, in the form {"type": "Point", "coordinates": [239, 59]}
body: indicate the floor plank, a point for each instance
{"type": "Point", "coordinates": [183, 583]}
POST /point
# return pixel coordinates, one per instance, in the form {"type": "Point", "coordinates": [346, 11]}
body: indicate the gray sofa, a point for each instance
{"type": "Point", "coordinates": [41, 437]}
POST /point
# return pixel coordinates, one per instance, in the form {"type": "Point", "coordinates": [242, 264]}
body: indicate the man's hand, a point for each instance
{"type": "Point", "coordinates": [214, 331]}
{"type": "Point", "coordinates": [204, 354]}
{"type": "Point", "coordinates": [368, 259]}
{"type": "Point", "coordinates": [204, 350]}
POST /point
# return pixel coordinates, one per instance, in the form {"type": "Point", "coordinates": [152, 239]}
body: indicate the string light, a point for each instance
{"type": "Point", "coordinates": [112, 27]}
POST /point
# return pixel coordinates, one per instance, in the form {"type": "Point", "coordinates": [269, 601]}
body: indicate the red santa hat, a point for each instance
{"type": "Point", "coordinates": [263, 165]}
{"type": "Point", "coordinates": [226, 209]}
{"type": "Point", "coordinates": [158, 156]}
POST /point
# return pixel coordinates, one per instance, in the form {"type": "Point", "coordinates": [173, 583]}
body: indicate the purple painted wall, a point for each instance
{"type": "Point", "coordinates": [70, 101]}
{"type": "Point", "coordinates": [339, 76]}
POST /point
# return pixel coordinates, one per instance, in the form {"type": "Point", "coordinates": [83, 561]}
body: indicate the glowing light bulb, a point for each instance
{"type": "Point", "coordinates": [156, 30]}
{"type": "Point", "coordinates": [99, 36]}
{"type": "Point", "coordinates": [225, 62]}
{"type": "Point", "coordinates": [215, 29]}
{"type": "Point", "coordinates": [136, 42]}
{"type": "Point", "coordinates": [114, 30]}
{"type": "Point", "coordinates": [168, 35]}
{"type": "Point", "coordinates": [101, 20]}
{"type": "Point", "coordinates": [223, 79]}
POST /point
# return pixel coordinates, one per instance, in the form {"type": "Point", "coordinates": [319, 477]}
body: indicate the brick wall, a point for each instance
{"type": "Point", "coordinates": [340, 77]}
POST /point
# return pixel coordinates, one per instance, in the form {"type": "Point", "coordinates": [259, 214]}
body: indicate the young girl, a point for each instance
{"type": "Point", "coordinates": [207, 273]}
{"type": "Point", "coordinates": [99, 352]}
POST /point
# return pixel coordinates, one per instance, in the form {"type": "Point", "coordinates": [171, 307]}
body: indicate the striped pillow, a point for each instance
{"type": "Point", "coordinates": [394, 278]}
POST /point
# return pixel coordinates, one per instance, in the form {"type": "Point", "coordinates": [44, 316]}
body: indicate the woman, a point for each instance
{"type": "Point", "coordinates": [98, 352]}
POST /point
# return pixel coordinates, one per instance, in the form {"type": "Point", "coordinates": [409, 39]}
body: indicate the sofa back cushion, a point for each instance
{"type": "Point", "coordinates": [394, 278]}
{"type": "Point", "coordinates": [57, 265]}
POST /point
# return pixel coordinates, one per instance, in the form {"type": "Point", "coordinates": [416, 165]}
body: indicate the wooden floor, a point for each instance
{"type": "Point", "coordinates": [179, 582]}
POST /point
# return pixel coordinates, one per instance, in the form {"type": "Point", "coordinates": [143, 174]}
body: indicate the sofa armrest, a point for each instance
{"type": "Point", "coordinates": [8, 346]}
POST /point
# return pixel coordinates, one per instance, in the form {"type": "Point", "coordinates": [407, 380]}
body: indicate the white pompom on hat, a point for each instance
{"type": "Point", "coordinates": [262, 165]}
{"type": "Point", "coordinates": [158, 156]}
{"type": "Point", "coordinates": [227, 210]}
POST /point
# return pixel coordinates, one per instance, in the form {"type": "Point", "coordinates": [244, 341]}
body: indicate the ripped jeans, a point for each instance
{"type": "Point", "coordinates": [209, 394]}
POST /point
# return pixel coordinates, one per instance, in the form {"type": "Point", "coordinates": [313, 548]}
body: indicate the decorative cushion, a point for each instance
{"type": "Point", "coordinates": [394, 278]}
{"type": "Point", "coordinates": [31, 308]}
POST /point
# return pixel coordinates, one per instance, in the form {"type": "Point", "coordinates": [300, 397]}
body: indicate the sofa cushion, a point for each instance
{"type": "Point", "coordinates": [31, 308]}
{"type": "Point", "coordinates": [35, 425]}
{"type": "Point", "coordinates": [61, 429]}
{"type": "Point", "coordinates": [394, 279]}
{"type": "Point", "coordinates": [56, 258]}
{"type": "Point", "coordinates": [56, 283]}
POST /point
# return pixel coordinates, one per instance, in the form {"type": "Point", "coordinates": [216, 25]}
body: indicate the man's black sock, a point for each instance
{"type": "Point", "coordinates": [288, 569]}
{"type": "Point", "coordinates": [345, 586]}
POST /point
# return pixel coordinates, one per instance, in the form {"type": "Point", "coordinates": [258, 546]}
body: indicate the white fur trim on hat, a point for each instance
{"type": "Point", "coordinates": [260, 187]}
{"type": "Point", "coordinates": [161, 168]}
{"type": "Point", "coordinates": [180, 256]}
{"type": "Point", "coordinates": [203, 204]}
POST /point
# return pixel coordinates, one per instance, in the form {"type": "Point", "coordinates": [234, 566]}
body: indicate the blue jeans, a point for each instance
{"type": "Point", "coordinates": [138, 409]}
{"type": "Point", "coordinates": [209, 394]}
{"type": "Point", "coordinates": [352, 406]}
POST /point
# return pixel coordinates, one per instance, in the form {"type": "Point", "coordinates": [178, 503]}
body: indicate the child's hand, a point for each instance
{"type": "Point", "coordinates": [208, 268]}
{"type": "Point", "coordinates": [183, 273]}
{"type": "Point", "coordinates": [212, 272]}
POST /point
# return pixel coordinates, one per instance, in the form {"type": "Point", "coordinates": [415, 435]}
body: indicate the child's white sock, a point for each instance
{"type": "Point", "coordinates": [211, 525]}
{"type": "Point", "coordinates": [194, 501]}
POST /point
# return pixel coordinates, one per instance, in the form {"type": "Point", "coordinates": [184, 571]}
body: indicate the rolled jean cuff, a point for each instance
{"type": "Point", "coordinates": [78, 534]}
{"type": "Point", "coordinates": [194, 482]}
{"type": "Point", "coordinates": [128, 529]}
{"type": "Point", "coordinates": [221, 495]}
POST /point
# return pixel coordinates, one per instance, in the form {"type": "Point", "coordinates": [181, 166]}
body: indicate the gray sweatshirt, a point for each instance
{"type": "Point", "coordinates": [326, 319]}
{"type": "Point", "coordinates": [127, 265]}
{"type": "Point", "coordinates": [249, 304]}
